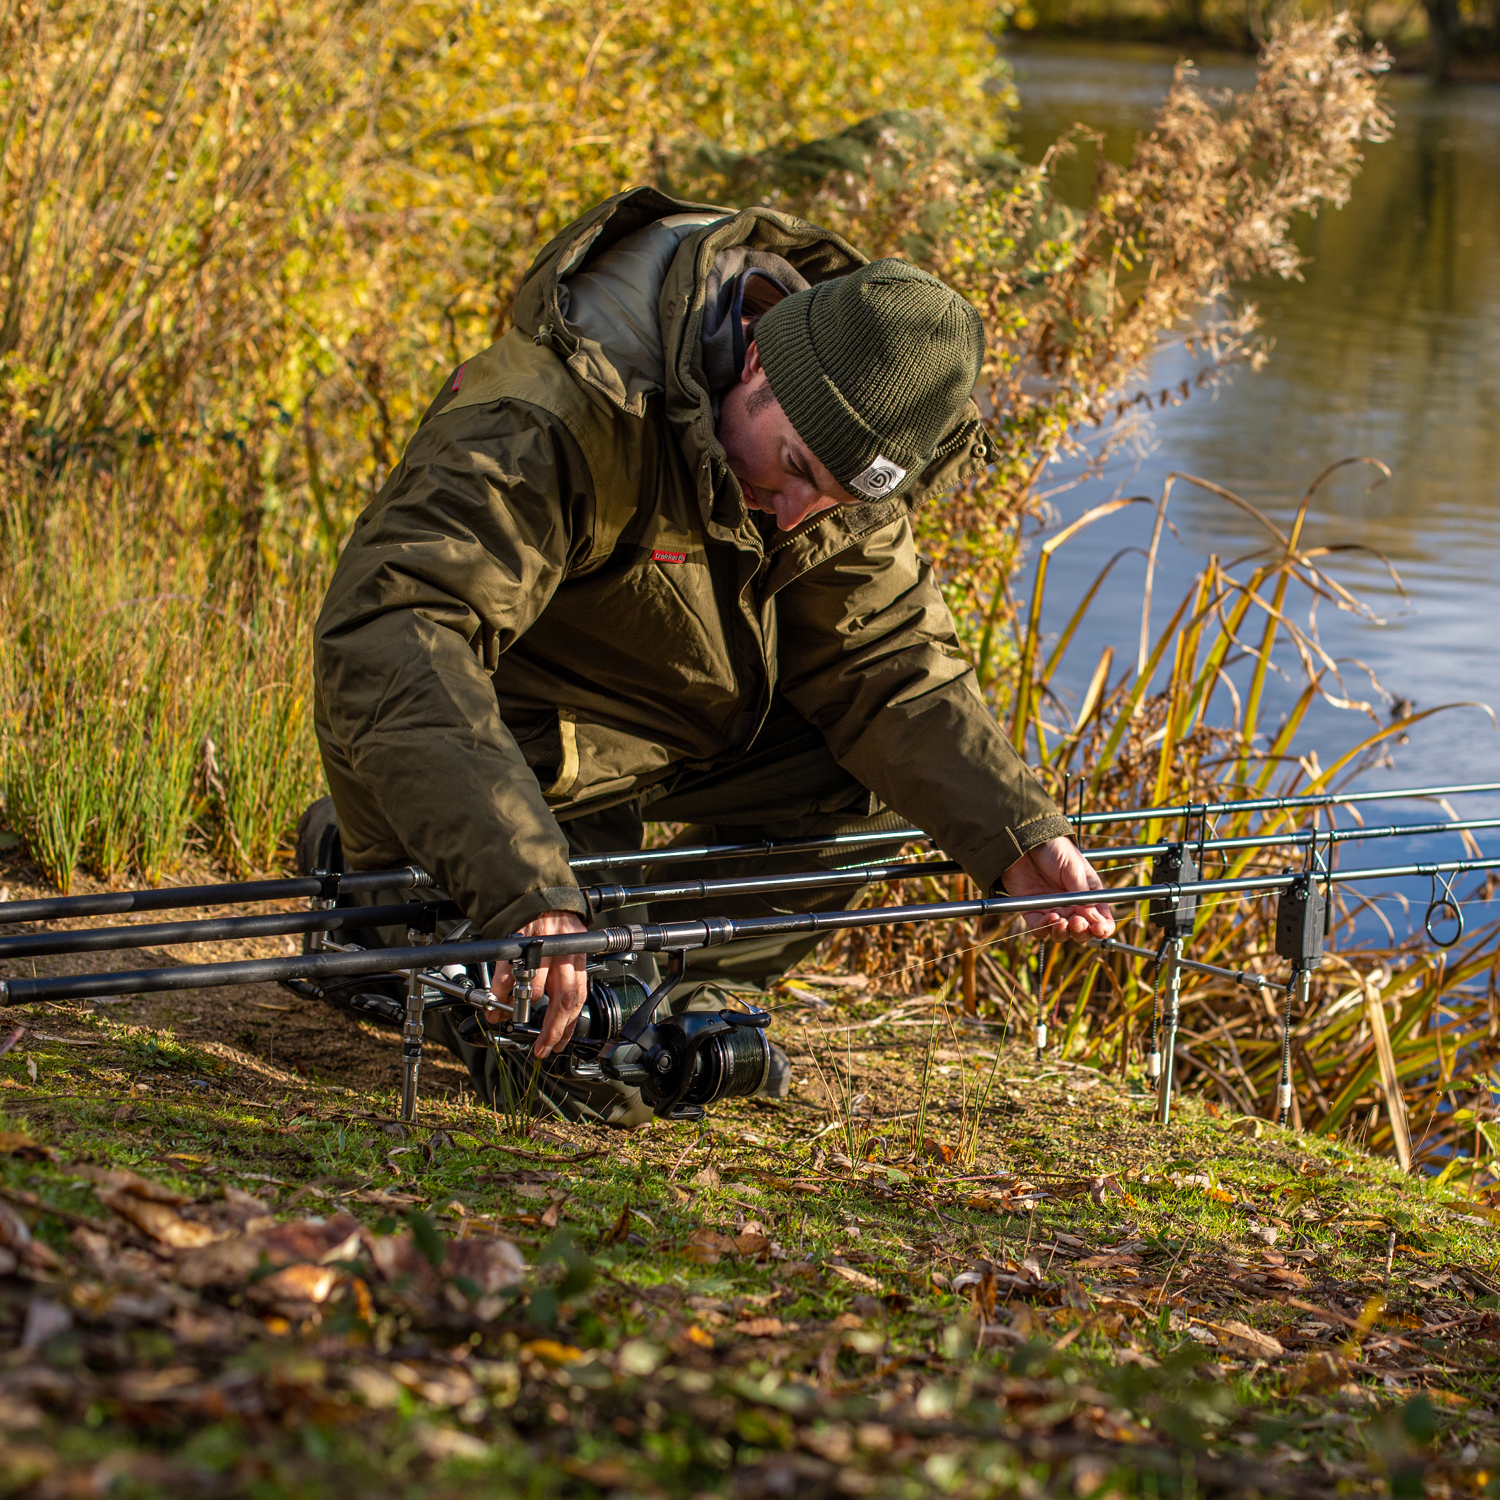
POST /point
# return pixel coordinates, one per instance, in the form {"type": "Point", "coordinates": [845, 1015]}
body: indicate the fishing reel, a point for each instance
{"type": "Point", "coordinates": [681, 1063]}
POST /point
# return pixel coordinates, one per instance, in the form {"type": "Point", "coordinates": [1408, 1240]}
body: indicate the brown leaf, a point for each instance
{"type": "Point", "coordinates": [706, 1246]}
{"type": "Point", "coordinates": [1318, 1372]}
{"type": "Point", "coordinates": [231, 1261]}
{"type": "Point", "coordinates": [1108, 1262]}
{"type": "Point", "coordinates": [750, 1243]}
{"type": "Point", "coordinates": [765, 1328]}
{"type": "Point", "coordinates": [1285, 1276]}
{"type": "Point", "coordinates": [1241, 1338]}
{"type": "Point", "coordinates": [853, 1277]}
{"type": "Point", "coordinates": [490, 1264]}
{"type": "Point", "coordinates": [617, 1233]}
{"type": "Point", "coordinates": [299, 1283]}
{"type": "Point", "coordinates": [554, 1211]}
{"type": "Point", "coordinates": [120, 1179]}
{"type": "Point", "coordinates": [16, 1143]}
{"type": "Point", "coordinates": [158, 1219]}
{"type": "Point", "coordinates": [602, 1473]}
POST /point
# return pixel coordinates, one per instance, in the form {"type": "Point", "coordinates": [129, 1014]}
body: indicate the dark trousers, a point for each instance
{"type": "Point", "coordinates": [785, 786]}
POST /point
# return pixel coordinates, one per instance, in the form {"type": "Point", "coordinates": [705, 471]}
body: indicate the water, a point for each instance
{"type": "Point", "coordinates": [1389, 348]}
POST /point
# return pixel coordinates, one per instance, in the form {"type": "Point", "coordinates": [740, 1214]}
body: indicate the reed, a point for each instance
{"type": "Point", "coordinates": [1399, 1042]}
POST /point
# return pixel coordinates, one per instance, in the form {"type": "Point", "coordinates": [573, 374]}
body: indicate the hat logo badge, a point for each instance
{"type": "Point", "coordinates": [879, 479]}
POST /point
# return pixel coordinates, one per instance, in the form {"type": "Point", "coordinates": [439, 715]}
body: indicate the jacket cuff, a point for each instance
{"type": "Point", "coordinates": [532, 905]}
{"type": "Point", "coordinates": [1000, 854]}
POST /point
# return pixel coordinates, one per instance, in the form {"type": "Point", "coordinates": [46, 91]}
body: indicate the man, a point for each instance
{"type": "Point", "coordinates": [651, 552]}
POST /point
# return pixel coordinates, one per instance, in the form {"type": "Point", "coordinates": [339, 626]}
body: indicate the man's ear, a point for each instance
{"type": "Point", "coordinates": [752, 366]}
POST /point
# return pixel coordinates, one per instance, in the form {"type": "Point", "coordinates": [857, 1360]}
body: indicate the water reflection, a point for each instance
{"type": "Point", "coordinates": [1390, 347]}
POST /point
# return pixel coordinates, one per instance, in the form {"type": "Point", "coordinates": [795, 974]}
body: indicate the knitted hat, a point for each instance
{"type": "Point", "coordinates": [874, 370]}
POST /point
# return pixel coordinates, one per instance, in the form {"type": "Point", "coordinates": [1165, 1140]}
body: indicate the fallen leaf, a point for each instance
{"type": "Point", "coordinates": [750, 1243]}
{"type": "Point", "coordinates": [705, 1247]}
{"type": "Point", "coordinates": [299, 1283]}
{"type": "Point", "coordinates": [374, 1387]}
{"type": "Point", "coordinates": [17, 1143]}
{"type": "Point", "coordinates": [122, 1178]}
{"type": "Point", "coordinates": [1241, 1338]}
{"type": "Point", "coordinates": [1318, 1372]}
{"type": "Point", "coordinates": [1285, 1276]}
{"type": "Point", "coordinates": [450, 1442]}
{"type": "Point", "coordinates": [490, 1264]}
{"type": "Point", "coordinates": [157, 1385]}
{"type": "Point", "coordinates": [231, 1261]}
{"type": "Point", "coordinates": [602, 1473]}
{"type": "Point", "coordinates": [853, 1277]}
{"type": "Point", "coordinates": [45, 1319]}
{"type": "Point", "coordinates": [765, 1328]}
{"type": "Point", "coordinates": [158, 1219]}
{"type": "Point", "coordinates": [550, 1352]}
{"type": "Point", "coordinates": [617, 1232]}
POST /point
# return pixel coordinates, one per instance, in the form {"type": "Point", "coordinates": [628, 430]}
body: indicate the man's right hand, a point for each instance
{"type": "Point", "coordinates": [562, 980]}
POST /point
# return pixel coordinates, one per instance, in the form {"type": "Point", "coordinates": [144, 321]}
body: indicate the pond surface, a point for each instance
{"type": "Point", "coordinates": [1389, 348]}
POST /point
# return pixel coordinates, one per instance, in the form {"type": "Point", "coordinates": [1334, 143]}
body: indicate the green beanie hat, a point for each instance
{"type": "Point", "coordinates": [874, 370]}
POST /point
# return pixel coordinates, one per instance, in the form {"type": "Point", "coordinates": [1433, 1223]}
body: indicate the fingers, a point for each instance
{"type": "Point", "coordinates": [564, 982]}
{"type": "Point", "coordinates": [1072, 923]}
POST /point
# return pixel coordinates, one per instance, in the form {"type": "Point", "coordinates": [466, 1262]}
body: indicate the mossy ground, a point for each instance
{"type": "Point", "coordinates": [875, 1288]}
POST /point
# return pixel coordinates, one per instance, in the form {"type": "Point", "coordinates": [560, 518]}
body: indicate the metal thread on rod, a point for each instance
{"type": "Point", "coordinates": [1039, 972]}
{"type": "Point", "coordinates": [1173, 1008]}
{"type": "Point", "coordinates": [1301, 982]}
{"type": "Point", "coordinates": [411, 1045]}
{"type": "Point", "coordinates": [1153, 1057]}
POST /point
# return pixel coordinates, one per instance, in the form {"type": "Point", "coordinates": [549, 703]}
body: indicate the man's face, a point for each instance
{"type": "Point", "coordinates": [778, 472]}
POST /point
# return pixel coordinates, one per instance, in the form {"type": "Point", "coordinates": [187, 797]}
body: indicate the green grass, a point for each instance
{"type": "Point", "coordinates": [830, 1353]}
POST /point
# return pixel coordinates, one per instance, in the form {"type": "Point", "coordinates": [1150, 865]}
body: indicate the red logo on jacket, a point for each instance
{"type": "Point", "coordinates": [662, 555]}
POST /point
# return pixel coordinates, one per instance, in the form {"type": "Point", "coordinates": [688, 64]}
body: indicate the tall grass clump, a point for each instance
{"type": "Point", "coordinates": [142, 714]}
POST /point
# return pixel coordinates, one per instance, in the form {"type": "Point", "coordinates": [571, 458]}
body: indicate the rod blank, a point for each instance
{"type": "Point", "coordinates": [221, 929]}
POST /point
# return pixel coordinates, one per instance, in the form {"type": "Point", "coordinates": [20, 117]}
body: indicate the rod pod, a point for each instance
{"type": "Point", "coordinates": [1174, 916]}
{"type": "Point", "coordinates": [1302, 914]}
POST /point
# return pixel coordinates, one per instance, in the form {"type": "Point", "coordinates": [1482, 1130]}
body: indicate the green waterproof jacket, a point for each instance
{"type": "Point", "coordinates": [559, 599]}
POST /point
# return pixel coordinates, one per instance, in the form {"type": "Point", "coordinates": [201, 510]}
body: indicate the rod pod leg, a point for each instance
{"type": "Point", "coordinates": [1172, 962]}
{"type": "Point", "coordinates": [411, 1045]}
{"type": "Point", "coordinates": [1296, 993]}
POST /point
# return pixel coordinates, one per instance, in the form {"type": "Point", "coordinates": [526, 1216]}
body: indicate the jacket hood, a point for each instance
{"type": "Point", "coordinates": [610, 335]}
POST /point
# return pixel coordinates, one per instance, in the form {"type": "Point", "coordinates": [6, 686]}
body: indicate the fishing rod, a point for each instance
{"type": "Point", "coordinates": [685, 1062]}
{"type": "Point", "coordinates": [602, 898]}
{"type": "Point", "coordinates": [657, 937]}
{"type": "Point", "coordinates": [329, 886]}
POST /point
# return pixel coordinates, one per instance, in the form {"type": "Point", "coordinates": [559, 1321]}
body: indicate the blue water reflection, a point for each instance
{"type": "Point", "coordinates": [1389, 348]}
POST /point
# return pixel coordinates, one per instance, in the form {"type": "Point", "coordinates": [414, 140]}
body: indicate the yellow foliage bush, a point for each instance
{"type": "Point", "coordinates": [240, 244]}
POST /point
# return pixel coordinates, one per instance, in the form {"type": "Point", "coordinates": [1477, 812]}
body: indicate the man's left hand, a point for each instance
{"type": "Point", "coordinates": [1058, 865]}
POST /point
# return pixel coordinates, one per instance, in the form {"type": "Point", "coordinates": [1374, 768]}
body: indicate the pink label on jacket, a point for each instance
{"type": "Point", "coordinates": [660, 555]}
